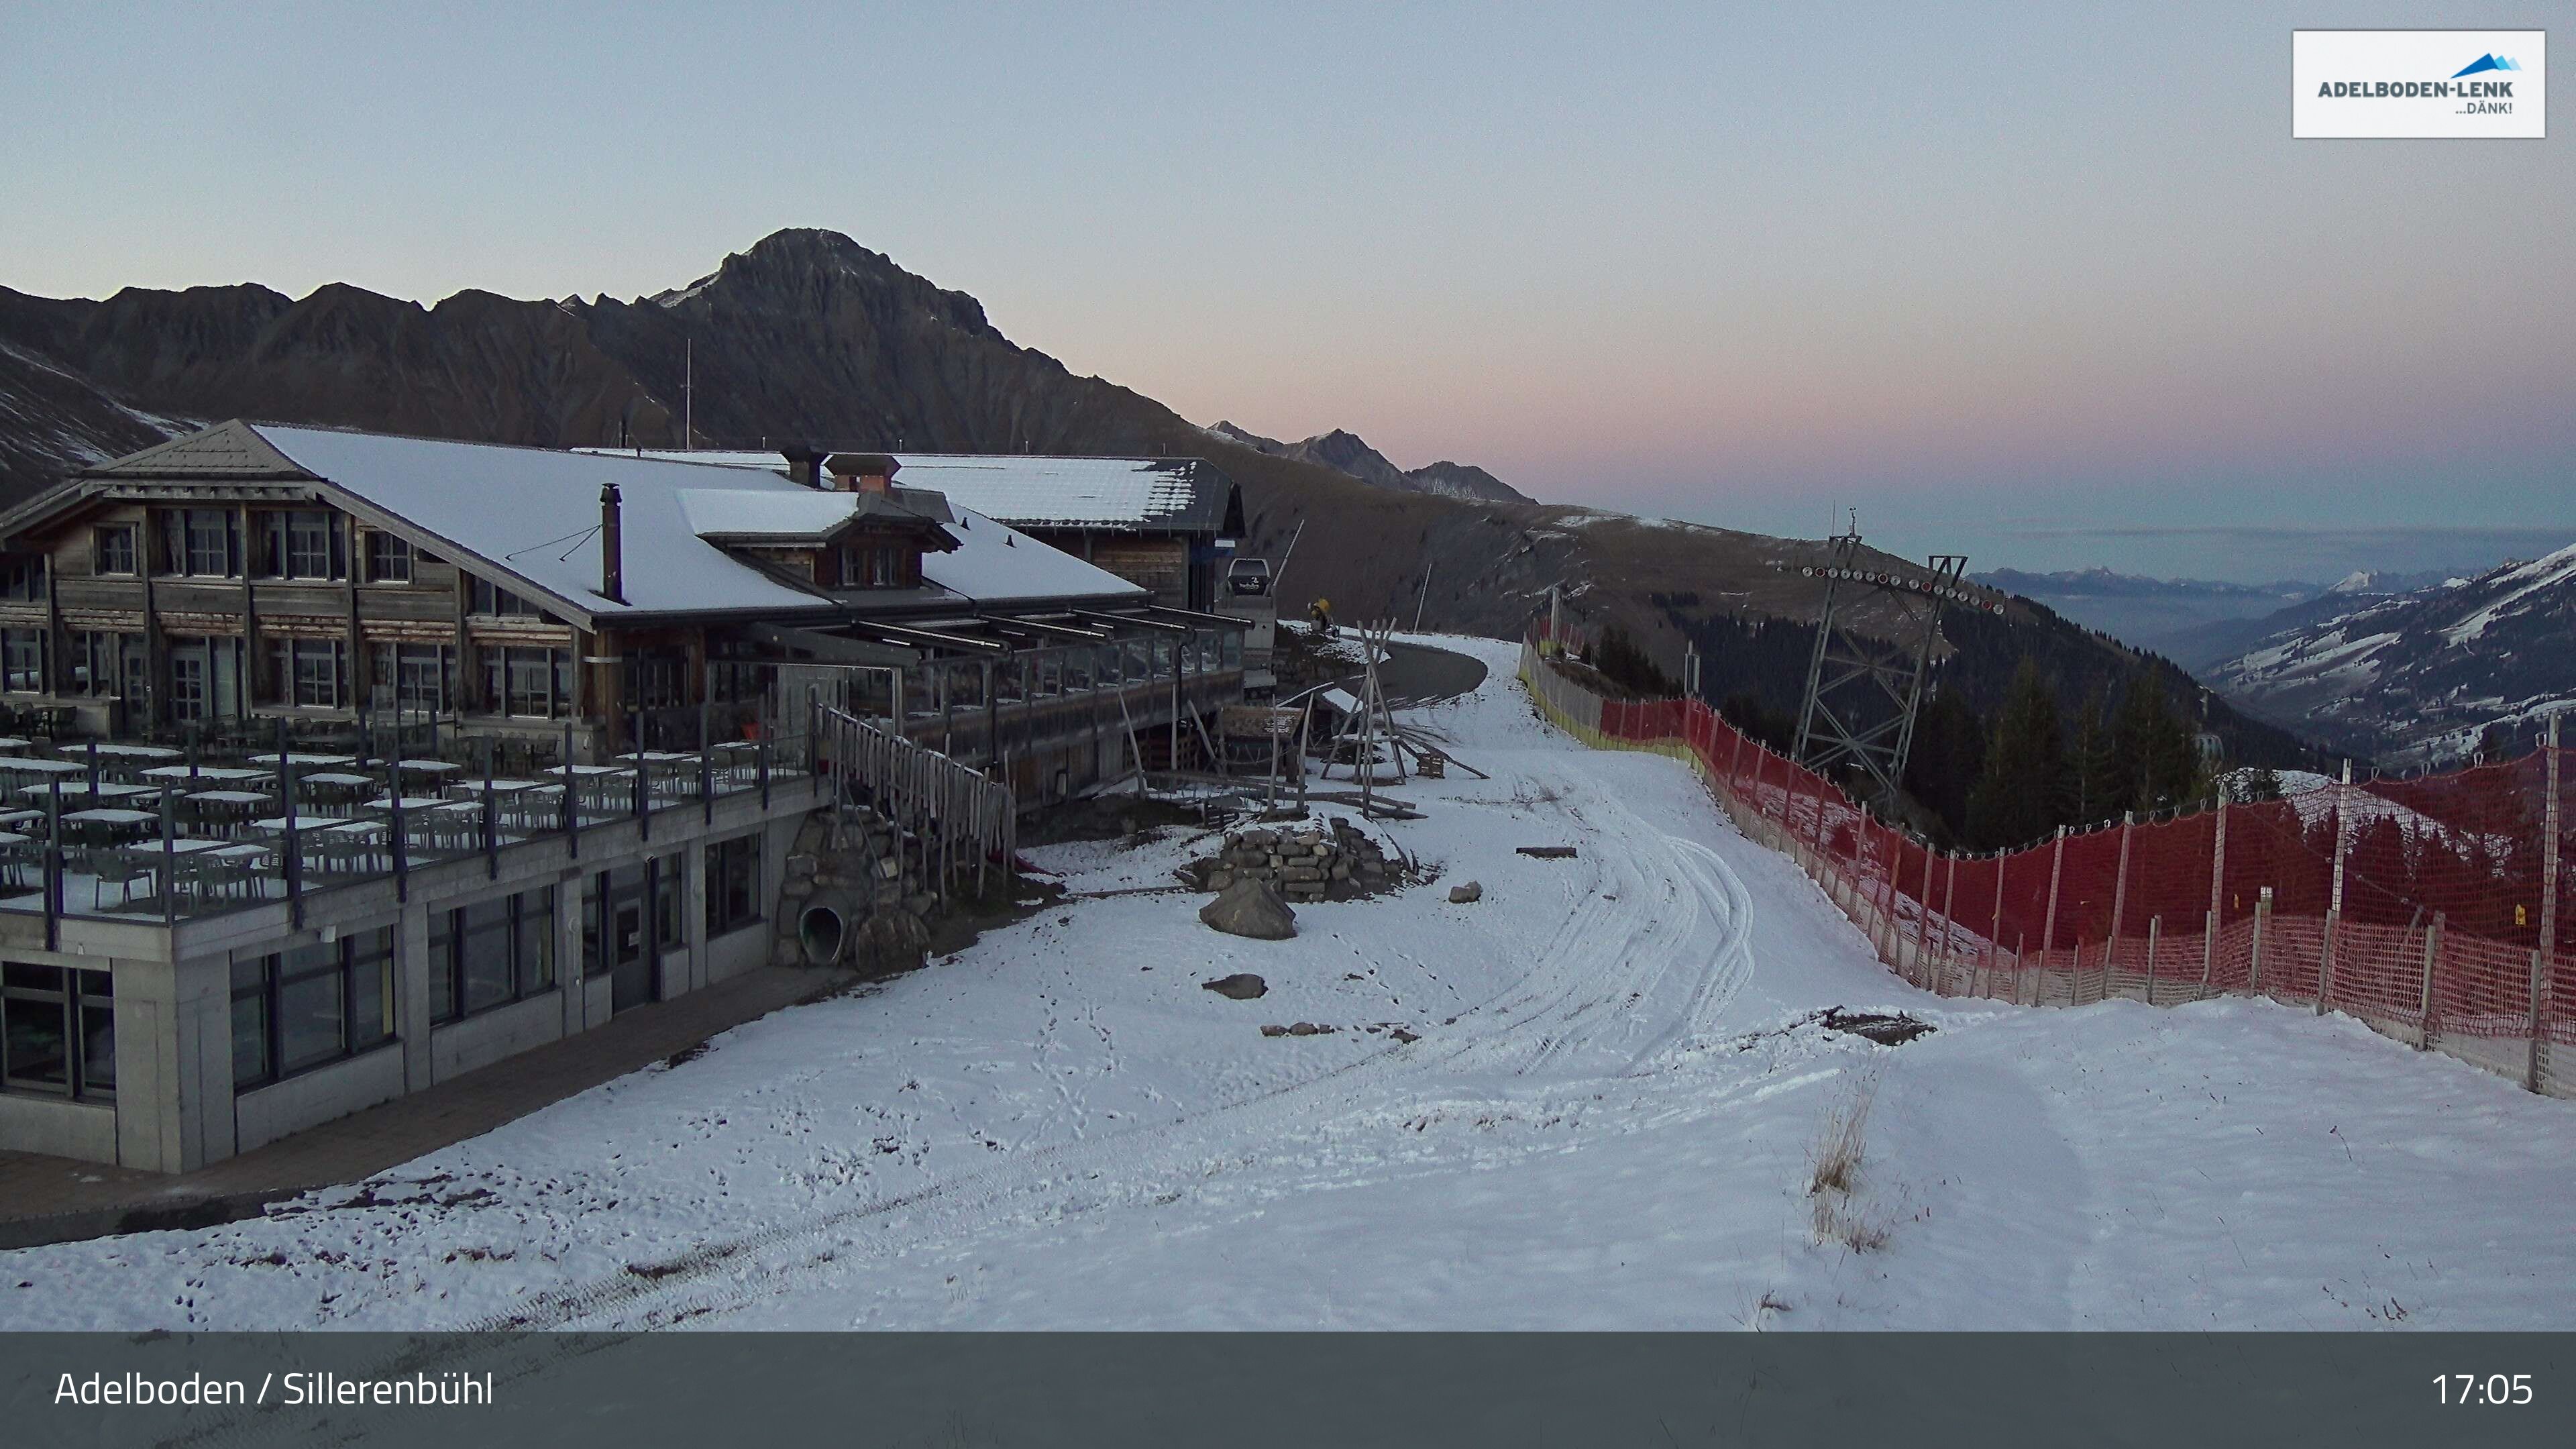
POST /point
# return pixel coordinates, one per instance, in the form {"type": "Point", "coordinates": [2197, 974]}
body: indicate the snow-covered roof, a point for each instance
{"type": "Point", "coordinates": [531, 517]}
{"type": "Point", "coordinates": [739, 515]}
{"type": "Point", "coordinates": [1027, 491]}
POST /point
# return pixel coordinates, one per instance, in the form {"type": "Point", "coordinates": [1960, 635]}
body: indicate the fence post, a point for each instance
{"type": "Point", "coordinates": [2217, 900]}
{"type": "Point", "coordinates": [2334, 906]}
{"type": "Point", "coordinates": [2119, 900]}
{"type": "Point", "coordinates": [2048, 927]}
{"type": "Point", "coordinates": [2155, 932]}
{"type": "Point", "coordinates": [2254, 958]}
{"type": "Point", "coordinates": [2536, 1073]}
{"type": "Point", "coordinates": [1949, 898]}
{"type": "Point", "coordinates": [1995, 933]}
{"type": "Point", "coordinates": [2424, 1002]}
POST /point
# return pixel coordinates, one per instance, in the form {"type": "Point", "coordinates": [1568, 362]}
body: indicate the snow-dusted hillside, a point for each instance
{"type": "Point", "coordinates": [1607, 1121]}
{"type": "Point", "coordinates": [2419, 676]}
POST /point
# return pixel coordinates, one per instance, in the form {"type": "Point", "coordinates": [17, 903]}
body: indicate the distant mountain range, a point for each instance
{"type": "Point", "coordinates": [2190, 621]}
{"type": "Point", "coordinates": [1344, 452]}
{"type": "Point", "coordinates": [2417, 676]}
{"type": "Point", "coordinates": [808, 336]}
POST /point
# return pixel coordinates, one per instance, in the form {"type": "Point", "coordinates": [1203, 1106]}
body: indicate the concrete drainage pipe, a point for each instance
{"type": "Point", "coordinates": [825, 926]}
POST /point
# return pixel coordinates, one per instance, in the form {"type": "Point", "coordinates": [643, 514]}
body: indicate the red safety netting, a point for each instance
{"type": "Point", "coordinates": [2442, 919]}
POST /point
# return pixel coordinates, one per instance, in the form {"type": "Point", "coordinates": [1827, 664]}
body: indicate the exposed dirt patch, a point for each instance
{"type": "Point", "coordinates": [1885, 1030]}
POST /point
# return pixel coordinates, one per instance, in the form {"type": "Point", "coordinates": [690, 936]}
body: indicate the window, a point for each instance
{"type": "Point", "coordinates": [670, 891]}
{"type": "Point", "coordinates": [57, 1031]}
{"type": "Point", "coordinates": [22, 660]}
{"type": "Point", "coordinates": [22, 578]}
{"type": "Point", "coordinates": [105, 665]}
{"type": "Point", "coordinates": [307, 671]}
{"type": "Point", "coordinates": [654, 682]}
{"type": "Point", "coordinates": [388, 558]}
{"type": "Point", "coordinates": [490, 954]}
{"type": "Point", "coordinates": [534, 683]}
{"type": "Point", "coordinates": [115, 549]}
{"type": "Point", "coordinates": [733, 884]}
{"type": "Point", "coordinates": [413, 678]}
{"type": "Point", "coordinates": [490, 599]}
{"type": "Point", "coordinates": [200, 542]}
{"type": "Point", "coordinates": [876, 566]}
{"type": "Point", "coordinates": [311, 1006]}
{"type": "Point", "coordinates": [310, 537]}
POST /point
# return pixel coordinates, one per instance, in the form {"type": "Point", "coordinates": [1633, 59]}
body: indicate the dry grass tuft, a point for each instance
{"type": "Point", "coordinates": [1834, 1172]}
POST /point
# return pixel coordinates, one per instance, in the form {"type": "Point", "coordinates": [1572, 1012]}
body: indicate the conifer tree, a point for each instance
{"type": "Point", "coordinates": [2016, 799]}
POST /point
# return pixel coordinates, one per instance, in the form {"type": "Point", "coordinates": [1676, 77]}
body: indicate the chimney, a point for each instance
{"type": "Point", "coordinates": [862, 472]}
{"type": "Point", "coordinates": [804, 464]}
{"type": "Point", "coordinates": [612, 545]}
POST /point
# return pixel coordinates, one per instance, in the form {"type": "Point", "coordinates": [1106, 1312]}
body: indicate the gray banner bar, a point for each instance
{"type": "Point", "coordinates": [735, 1390]}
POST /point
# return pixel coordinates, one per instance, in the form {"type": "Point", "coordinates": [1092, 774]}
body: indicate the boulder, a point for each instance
{"type": "Point", "coordinates": [1241, 986]}
{"type": "Point", "coordinates": [1472, 891]}
{"type": "Point", "coordinates": [891, 941]}
{"type": "Point", "coordinates": [1251, 908]}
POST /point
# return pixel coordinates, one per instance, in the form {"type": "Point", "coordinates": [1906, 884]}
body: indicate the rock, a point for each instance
{"type": "Point", "coordinates": [1403, 1036]}
{"type": "Point", "coordinates": [1241, 986]}
{"type": "Point", "coordinates": [1251, 908]}
{"type": "Point", "coordinates": [889, 942]}
{"type": "Point", "coordinates": [1468, 894]}
{"type": "Point", "coordinates": [1308, 1028]}
{"type": "Point", "coordinates": [1220, 880]}
{"type": "Point", "coordinates": [1274, 1029]}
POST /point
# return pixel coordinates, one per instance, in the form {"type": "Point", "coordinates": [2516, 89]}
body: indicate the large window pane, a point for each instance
{"type": "Point", "coordinates": [442, 966]}
{"type": "Point", "coordinates": [311, 1025]}
{"type": "Point", "coordinates": [250, 1022]}
{"type": "Point", "coordinates": [486, 955]}
{"type": "Point", "coordinates": [536, 941]}
{"type": "Point", "coordinates": [37, 1046]}
{"type": "Point", "coordinates": [371, 987]}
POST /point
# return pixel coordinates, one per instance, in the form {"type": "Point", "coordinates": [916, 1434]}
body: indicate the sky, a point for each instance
{"type": "Point", "coordinates": [2047, 285]}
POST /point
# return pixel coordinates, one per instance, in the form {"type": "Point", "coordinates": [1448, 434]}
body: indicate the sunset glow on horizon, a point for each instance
{"type": "Point", "coordinates": [2011, 281]}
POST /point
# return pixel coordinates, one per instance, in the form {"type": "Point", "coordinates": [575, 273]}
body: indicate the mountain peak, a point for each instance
{"type": "Point", "coordinates": [1347, 452]}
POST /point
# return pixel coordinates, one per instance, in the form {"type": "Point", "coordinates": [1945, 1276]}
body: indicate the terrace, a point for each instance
{"type": "Point", "coordinates": [129, 831]}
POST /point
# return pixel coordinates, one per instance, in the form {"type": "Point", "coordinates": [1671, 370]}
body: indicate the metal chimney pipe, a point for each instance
{"type": "Point", "coordinates": [612, 545]}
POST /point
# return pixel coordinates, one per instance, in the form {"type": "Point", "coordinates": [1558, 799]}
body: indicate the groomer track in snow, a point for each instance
{"type": "Point", "coordinates": [1606, 1121]}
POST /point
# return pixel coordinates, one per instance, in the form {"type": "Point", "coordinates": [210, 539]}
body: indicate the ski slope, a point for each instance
{"type": "Point", "coordinates": [1606, 1122]}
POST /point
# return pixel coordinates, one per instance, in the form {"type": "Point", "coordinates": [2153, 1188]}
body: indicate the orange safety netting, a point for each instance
{"type": "Point", "coordinates": [2419, 904]}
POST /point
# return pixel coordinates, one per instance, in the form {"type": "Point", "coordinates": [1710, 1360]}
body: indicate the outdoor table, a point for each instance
{"type": "Point", "coordinates": [355, 845]}
{"type": "Point", "coordinates": [219, 774]}
{"type": "Point", "coordinates": [674, 771]}
{"type": "Point", "coordinates": [231, 797]}
{"type": "Point", "coordinates": [428, 767]}
{"type": "Point", "coordinates": [276, 824]}
{"type": "Point", "coordinates": [108, 823]}
{"type": "Point", "coordinates": [228, 810]}
{"type": "Point", "coordinates": [107, 790]}
{"type": "Point", "coordinates": [304, 761]}
{"type": "Point", "coordinates": [409, 803]}
{"type": "Point", "coordinates": [38, 765]}
{"type": "Point", "coordinates": [12, 745]}
{"type": "Point", "coordinates": [602, 786]}
{"type": "Point", "coordinates": [133, 752]}
{"type": "Point", "coordinates": [11, 837]}
{"type": "Point", "coordinates": [498, 787]}
{"type": "Point", "coordinates": [19, 817]}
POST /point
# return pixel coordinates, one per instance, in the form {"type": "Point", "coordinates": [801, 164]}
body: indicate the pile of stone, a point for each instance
{"type": "Point", "coordinates": [1310, 862]}
{"type": "Point", "coordinates": [871, 879]}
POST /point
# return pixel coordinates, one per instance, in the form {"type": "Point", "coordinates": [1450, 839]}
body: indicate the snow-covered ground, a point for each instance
{"type": "Point", "coordinates": [1608, 1121]}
